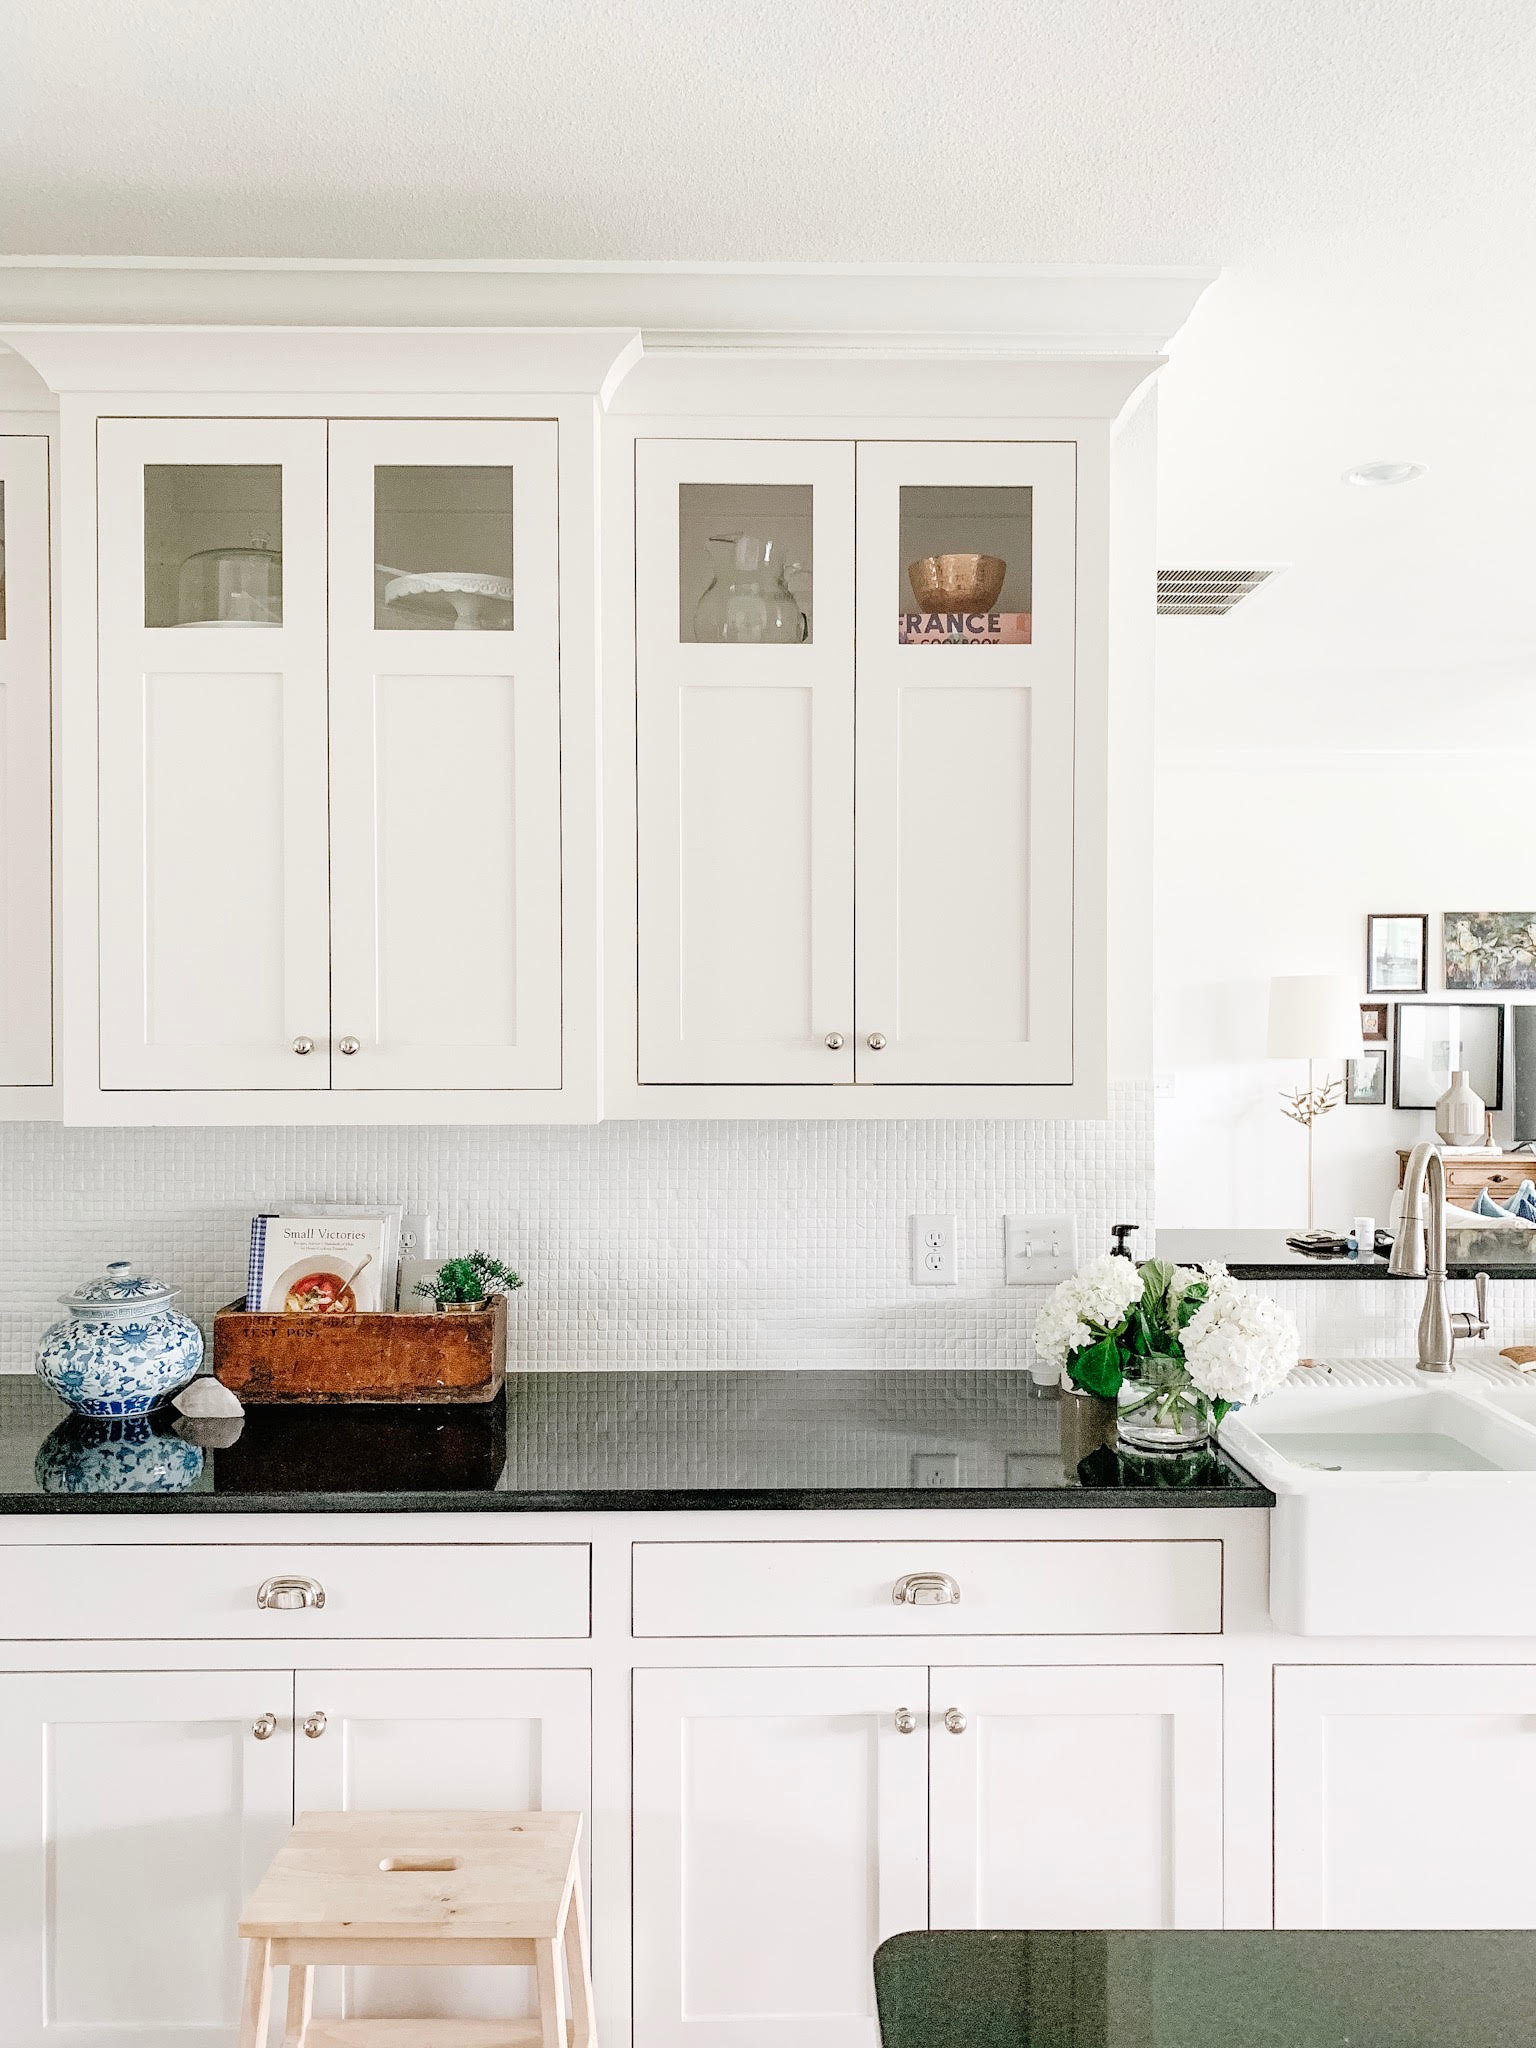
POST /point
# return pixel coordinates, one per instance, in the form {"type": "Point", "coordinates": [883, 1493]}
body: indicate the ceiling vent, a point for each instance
{"type": "Point", "coordinates": [1206, 593]}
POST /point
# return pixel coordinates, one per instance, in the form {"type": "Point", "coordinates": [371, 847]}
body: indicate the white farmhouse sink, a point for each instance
{"type": "Point", "coordinates": [1406, 1508]}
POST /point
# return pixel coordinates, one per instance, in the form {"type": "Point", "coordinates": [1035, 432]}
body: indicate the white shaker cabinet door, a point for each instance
{"type": "Point", "coordinates": [1406, 1796]}
{"type": "Point", "coordinates": [212, 863]}
{"type": "Point", "coordinates": [780, 1836]}
{"type": "Point", "coordinates": [137, 1810]}
{"type": "Point", "coordinates": [26, 858]}
{"type": "Point", "coordinates": [744, 764]}
{"type": "Point", "coordinates": [1077, 1797]}
{"type": "Point", "coordinates": [505, 1740]}
{"type": "Point", "coordinates": [965, 768]}
{"type": "Point", "coordinates": [445, 754]}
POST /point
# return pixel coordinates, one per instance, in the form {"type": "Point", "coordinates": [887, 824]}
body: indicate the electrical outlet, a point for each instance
{"type": "Point", "coordinates": [933, 1251]}
{"type": "Point", "coordinates": [935, 1468]}
{"type": "Point", "coordinates": [1039, 1250]}
{"type": "Point", "coordinates": [416, 1235]}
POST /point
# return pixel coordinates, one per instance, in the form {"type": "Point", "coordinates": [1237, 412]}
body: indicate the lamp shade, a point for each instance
{"type": "Point", "coordinates": [1313, 1017]}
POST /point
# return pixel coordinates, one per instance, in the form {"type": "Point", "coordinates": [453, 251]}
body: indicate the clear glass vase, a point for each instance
{"type": "Point", "coordinates": [1159, 1408]}
{"type": "Point", "coordinates": [749, 599]}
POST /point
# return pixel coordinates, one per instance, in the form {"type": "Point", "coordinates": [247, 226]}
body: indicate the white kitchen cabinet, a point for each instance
{"type": "Point", "coordinates": [445, 756]}
{"type": "Point", "coordinates": [786, 1821]}
{"type": "Point", "coordinates": [1085, 1796]}
{"type": "Point", "coordinates": [780, 1834]}
{"type": "Point", "coordinates": [515, 1740]}
{"type": "Point", "coordinates": [26, 800]}
{"type": "Point", "coordinates": [1405, 1796]}
{"type": "Point", "coordinates": [137, 1809]}
{"type": "Point", "coordinates": [963, 886]}
{"type": "Point", "coordinates": [745, 772]}
{"type": "Point", "coordinates": [329, 837]}
{"type": "Point", "coordinates": [213, 873]}
{"type": "Point", "coordinates": [858, 853]}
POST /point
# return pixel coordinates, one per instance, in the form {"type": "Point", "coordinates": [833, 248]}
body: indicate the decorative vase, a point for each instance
{"type": "Point", "coordinates": [1460, 1114]}
{"type": "Point", "coordinates": [1160, 1409]}
{"type": "Point", "coordinates": [460, 1308]}
{"type": "Point", "coordinates": [748, 601]}
{"type": "Point", "coordinates": [122, 1349]}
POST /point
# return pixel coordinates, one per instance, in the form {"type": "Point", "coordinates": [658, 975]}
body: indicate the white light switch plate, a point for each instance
{"type": "Point", "coordinates": [1039, 1251]}
{"type": "Point", "coordinates": [932, 1261]}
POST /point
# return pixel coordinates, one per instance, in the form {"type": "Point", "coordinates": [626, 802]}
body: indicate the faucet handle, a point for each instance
{"type": "Point", "coordinates": [1480, 1283]}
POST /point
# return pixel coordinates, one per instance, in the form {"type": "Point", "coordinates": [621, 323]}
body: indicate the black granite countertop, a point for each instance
{"type": "Point", "coordinates": [1265, 1255]}
{"type": "Point", "coordinates": [607, 1441]}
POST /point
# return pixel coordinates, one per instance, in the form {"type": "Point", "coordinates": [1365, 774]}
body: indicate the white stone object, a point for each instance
{"type": "Point", "coordinates": [208, 1396]}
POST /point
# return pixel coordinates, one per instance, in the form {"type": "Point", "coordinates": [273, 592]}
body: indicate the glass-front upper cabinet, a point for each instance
{"type": "Point", "coordinates": [445, 754]}
{"type": "Point", "coordinates": [744, 707]}
{"type": "Point", "coordinates": [211, 696]}
{"type": "Point", "coordinates": [966, 858]}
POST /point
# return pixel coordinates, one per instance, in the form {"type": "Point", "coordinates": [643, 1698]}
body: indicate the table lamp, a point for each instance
{"type": "Point", "coordinates": [1313, 1017]}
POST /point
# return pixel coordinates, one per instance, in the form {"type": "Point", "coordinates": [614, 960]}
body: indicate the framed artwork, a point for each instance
{"type": "Point", "coordinates": [1432, 1040]}
{"type": "Point", "coordinates": [1365, 1079]}
{"type": "Point", "coordinates": [1490, 949]}
{"type": "Point", "coordinates": [1397, 953]}
{"type": "Point", "coordinates": [1373, 1022]}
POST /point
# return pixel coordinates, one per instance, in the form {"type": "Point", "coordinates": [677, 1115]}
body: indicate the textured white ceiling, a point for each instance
{"type": "Point", "coordinates": [1366, 169]}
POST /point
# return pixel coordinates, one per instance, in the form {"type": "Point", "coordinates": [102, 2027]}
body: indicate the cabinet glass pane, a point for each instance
{"type": "Point", "coordinates": [213, 544]}
{"type": "Point", "coordinates": [442, 547]}
{"type": "Point", "coordinates": [965, 570]}
{"type": "Point", "coordinates": [744, 563]}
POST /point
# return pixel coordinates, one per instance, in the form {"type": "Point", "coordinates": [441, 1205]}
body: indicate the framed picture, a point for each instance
{"type": "Point", "coordinates": [1432, 1040]}
{"type": "Point", "coordinates": [1373, 1022]}
{"type": "Point", "coordinates": [1490, 949]}
{"type": "Point", "coordinates": [1365, 1079]}
{"type": "Point", "coordinates": [1397, 953]}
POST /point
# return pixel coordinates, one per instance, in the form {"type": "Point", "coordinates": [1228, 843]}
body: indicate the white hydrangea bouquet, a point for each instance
{"type": "Point", "coordinates": [1173, 1347]}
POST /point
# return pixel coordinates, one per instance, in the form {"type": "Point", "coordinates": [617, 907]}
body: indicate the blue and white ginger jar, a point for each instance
{"type": "Point", "coordinates": [122, 1349]}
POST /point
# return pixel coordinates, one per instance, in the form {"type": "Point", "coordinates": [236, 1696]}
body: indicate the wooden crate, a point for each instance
{"type": "Point", "coordinates": [375, 1358]}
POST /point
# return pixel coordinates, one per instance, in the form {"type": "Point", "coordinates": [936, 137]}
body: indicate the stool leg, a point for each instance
{"type": "Point", "coordinates": [578, 1970]}
{"type": "Point", "coordinates": [301, 1999]}
{"type": "Point", "coordinates": [551, 1995]}
{"type": "Point", "coordinates": [256, 2002]}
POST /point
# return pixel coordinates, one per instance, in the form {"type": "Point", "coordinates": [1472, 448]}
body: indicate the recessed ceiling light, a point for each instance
{"type": "Point", "coordinates": [1369, 475]}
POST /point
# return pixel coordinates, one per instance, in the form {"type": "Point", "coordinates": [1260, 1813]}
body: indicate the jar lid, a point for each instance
{"type": "Point", "coordinates": [121, 1286]}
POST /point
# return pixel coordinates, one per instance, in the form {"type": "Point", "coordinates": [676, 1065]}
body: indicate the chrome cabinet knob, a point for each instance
{"type": "Point", "coordinates": [834, 1041]}
{"type": "Point", "coordinates": [302, 1046]}
{"type": "Point", "coordinates": [876, 1041]}
{"type": "Point", "coordinates": [285, 1594]}
{"type": "Point", "coordinates": [314, 1725]}
{"type": "Point", "coordinates": [906, 1721]}
{"type": "Point", "coordinates": [349, 1045]}
{"type": "Point", "coordinates": [925, 1589]}
{"type": "Point", "coordinates": [265, 1728]}
{"type": "Point", "coordinates": [954, 1721]}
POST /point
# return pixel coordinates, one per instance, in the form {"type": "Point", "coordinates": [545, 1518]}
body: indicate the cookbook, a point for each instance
{"type": "Point", "coordinates": [317, 1265]}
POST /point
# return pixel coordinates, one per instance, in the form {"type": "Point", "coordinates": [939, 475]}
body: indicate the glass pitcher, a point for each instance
{"type": "Point", "coordinates": [749, 598]}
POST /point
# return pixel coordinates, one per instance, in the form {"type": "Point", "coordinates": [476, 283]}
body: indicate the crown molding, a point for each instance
{"type": "Point", "coordinates": [999, 310]}
{"type": "Point", "coordinates": [151, 358]}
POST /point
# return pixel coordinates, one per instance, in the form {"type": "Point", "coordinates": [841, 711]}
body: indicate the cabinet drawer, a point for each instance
{"type": "Point", "coordinates": [1038, 1587]}
{"type": "Point", "coordinates": [455, 1590]}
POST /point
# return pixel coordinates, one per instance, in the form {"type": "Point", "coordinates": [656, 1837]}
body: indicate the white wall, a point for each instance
{"type": "Point", "coordinates": [1267, 862]}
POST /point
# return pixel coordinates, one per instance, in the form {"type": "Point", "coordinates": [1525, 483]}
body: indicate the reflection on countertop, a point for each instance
{"type": "Point", "coordinates": [612, 1442]}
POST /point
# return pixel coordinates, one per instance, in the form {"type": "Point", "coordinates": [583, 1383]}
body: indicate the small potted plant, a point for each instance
{"type": "Point", "coordinates": [461, 1286]}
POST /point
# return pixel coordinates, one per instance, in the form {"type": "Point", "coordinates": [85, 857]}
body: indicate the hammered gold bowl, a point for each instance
{"type": "Point", "coordinates": [957, 583]}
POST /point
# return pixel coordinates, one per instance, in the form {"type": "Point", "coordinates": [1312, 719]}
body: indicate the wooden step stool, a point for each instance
{"type": "Point", "coordinates": [421, 1888]}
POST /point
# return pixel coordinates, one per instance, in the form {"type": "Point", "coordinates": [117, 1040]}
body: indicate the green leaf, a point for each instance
{"type": "Point", "coordinates": [1096, 1368]}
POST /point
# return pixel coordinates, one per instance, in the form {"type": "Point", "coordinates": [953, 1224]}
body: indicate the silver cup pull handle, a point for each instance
{"type": "Point", "coordinates": [283, 1595]}
{"type": "Point", "coordinates": [925, 1589]}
